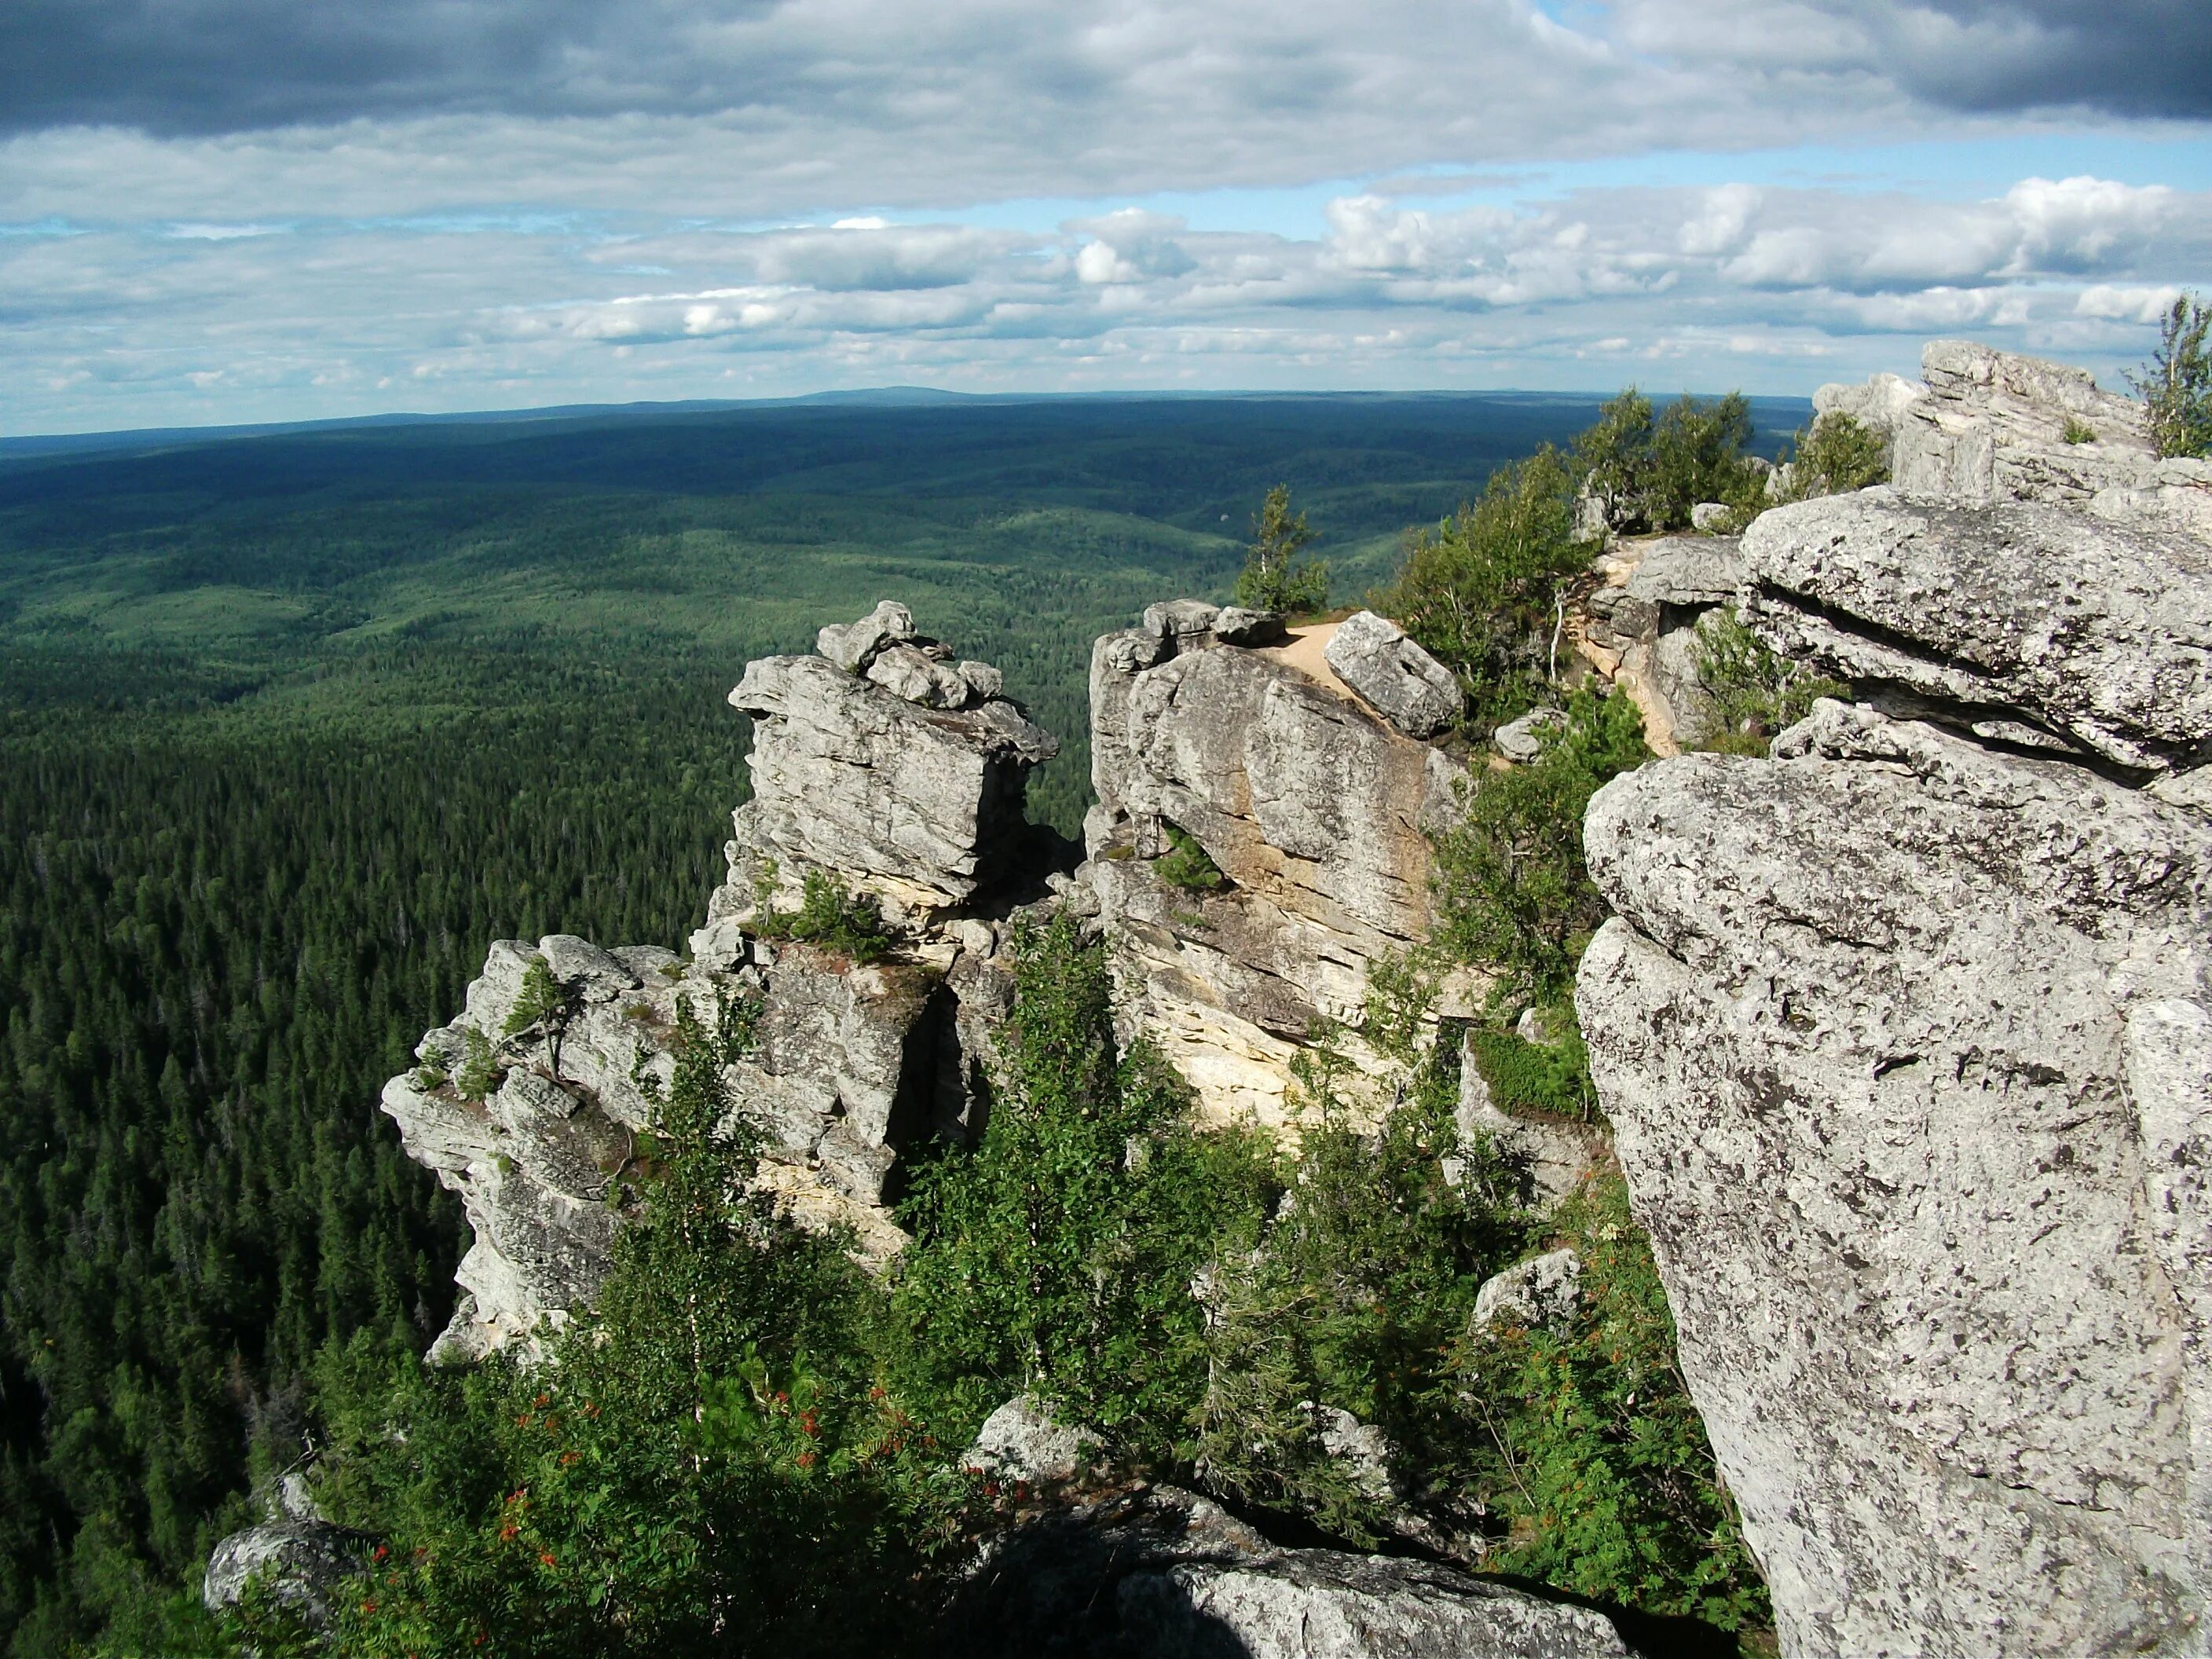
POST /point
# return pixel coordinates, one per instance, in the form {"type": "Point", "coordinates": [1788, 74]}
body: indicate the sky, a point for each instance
{"type": "Point", "coordinates": [229, 211]}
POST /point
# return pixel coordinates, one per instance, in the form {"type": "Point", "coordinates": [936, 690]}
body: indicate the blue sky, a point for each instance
{"type": "Point", "coordinates": [237, 210]}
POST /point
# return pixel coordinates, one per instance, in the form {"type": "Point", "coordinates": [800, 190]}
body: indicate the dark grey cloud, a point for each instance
{"type": "Point", "coordinates": [188, 67]}
{"type": "Point", "coordinates": [1079, 78]}
{"type": "Point", "coordinates": [2131, 58]}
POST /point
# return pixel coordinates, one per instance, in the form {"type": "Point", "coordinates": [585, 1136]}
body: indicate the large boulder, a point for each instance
{"type": "Point", "coordinates": [1314, 811]}
{"type": "Point", "coordinates": [1415, 692]}
{"type": "Point", "coordinates": [1996, 427]}
{"type": "Point", "coordinates": [302, 1565]}
{"type": "Point", "coordinates": [911, 790]}
{"type": "Point", "coordinates": [1907, 1045]}
{"type": "Point", "coordinates": [2027, 621]}
{"type": "Point", "coordinates": [1163, 1574]}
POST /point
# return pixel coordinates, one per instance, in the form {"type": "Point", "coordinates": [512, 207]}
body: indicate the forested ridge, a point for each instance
{"type": "Point", "coordinates": [214, 946]}
{"type": "Point", "coordinates": [289, 739]}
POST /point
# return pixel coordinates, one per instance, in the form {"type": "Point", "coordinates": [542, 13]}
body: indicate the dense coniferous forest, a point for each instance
{"type": "Point", "coordinates": [292, 726]}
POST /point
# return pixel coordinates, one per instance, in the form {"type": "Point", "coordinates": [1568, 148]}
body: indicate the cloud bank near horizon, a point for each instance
{"type": "Point", "coordinates": [237, 209]}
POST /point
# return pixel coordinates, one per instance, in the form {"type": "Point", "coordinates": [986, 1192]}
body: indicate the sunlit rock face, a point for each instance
{"type": "Point", "coordinates": [1314, 811]}
{"type": "Point", "coordinates": [1906, 1034]}
{"type": "Point", "coordinates": [884, 763]}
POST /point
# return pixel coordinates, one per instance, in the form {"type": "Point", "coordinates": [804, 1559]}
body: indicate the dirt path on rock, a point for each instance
{"type": "Point", "coordinates": [1304, 652]}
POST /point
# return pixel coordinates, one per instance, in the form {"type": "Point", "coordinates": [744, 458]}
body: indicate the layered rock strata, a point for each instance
{"type": "Point", "coordinates": [537, 1109]}
{"type": "Point", "coordinates": [1312, 809]}
{"type": "Point", "coordinates": [1906, 1034]}
{"type": "Point", "coordinates": [1159, 1572]}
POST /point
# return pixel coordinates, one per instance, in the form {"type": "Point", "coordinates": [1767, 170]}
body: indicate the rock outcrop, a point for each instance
{"type": "Point", "coordinates": [1906, 1034]}
{"type": "Point", "coordinates": [300, 1565]}
{"type": "Point", "coordinates": [1163, 1574]}
{"type": "Point", "coordinates": [1640, 627]}
{"type": "Point", "coordinates": [1312, 809]}
{"type": "Point", "coordinates": [907, 783]}
{"type": "Point", "coordinates": [534, 1105]}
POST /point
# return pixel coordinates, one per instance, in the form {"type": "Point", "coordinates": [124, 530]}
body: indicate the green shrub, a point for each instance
{"type": "Point", "coordinates": [708, 1466]}
{"type": "Point", "coordinates": [1591, 1447]}
{"type": "Point", "coordinates": [2078, 431]}
{"type": "Point", "coordinates": [1697, 455]}
{"type": "Point", "coordinates": [828, 916]}
{"type": "Point", "coordinates": [1512, 892]}
{"type": "Point", "coordinates": [2177, 382]}
{"type": "Point", "coordinates": [541, 997]}
{"type": "Point", "coordinates": [1353, 1300]}
{"type": "Point", "coordinates": [1755, 693]}
{"type": "Point", "coordinates": [478, 1073]}
{"type": "Point", "coordinates": [1651, 472]}
{"type": "Point", "coordinates": [1057, 1256]}
{"type": "Point", "coordinates": [1484, 592]}
{"type": "Point", "coordinates": [1272, 579]}
{"type": "Point", "coordinates": [1186, 864]}
{"type": "Point", "coordinates": [1538, 1080]}
{"type": "Point", "coordinates": [1837, 454]}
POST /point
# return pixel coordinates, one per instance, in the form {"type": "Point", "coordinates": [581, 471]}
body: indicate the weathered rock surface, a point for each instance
{"type": "Point", "coordinates": [1161, 1574]}
{"type": "Point", "coordinates": [1994, 427]}
{"type": "Point", "coordinates": [1415, 692]}
{"type": "Point", "coordinates": [1541, 1290]}
{"type": "Point", "coordinates": [1551, 1158]}
{"type": "Point", "coordinates": [1523, 740]}
{"type": "Point", "coordinates": [1641, 628]}
{"type": "Point", "coordinates": [1902, 1041]}
{"type": "Point", "coordinates": [1312, 808]}
{"type": "Point", "coordinates": [302, 1565]}
{"type": "Point", "coordinates": [1024, 1440]}
{"type": "Point", "coordinates": [916, 798]}
{"type": "Point", "coordinates": [897, 788]}
{"type": "Point", "coordinates": [2029, 622]}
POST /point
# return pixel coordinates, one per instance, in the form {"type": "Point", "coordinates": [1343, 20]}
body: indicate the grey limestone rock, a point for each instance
{"type": "Point", "coordinates": [1542, 1290]}
{"type": "Point", "coordinates": [1523, 740]}
{"type": "Point", "coordinates": [1415, 692]}
{"type": "Point", "coordinates": [303, 1562]}
{"type": "Point", "coordinates": [908, 802]}
{"type": "Point", "coordinates": [1237, 626]}
{"type": "Point", "coordinates": [1163, 1574]}
{"type": "Point", "coordinates": [1024, 1440]}
{"type": "Point", "coordinates": [1688, 572]}
{"type": "Point", "coordinates": [1311, 806]}
{"type": "Point", "coordinates": [1879, 404]}
{"type": "Point", "coordinates": [2043, 625]}
{"type": "Point", "coordinates": [1993, 428]}
{"type": "Point", "coordinates": [1551, 1158]}
{"type": "Point", "coordinates": [1903, 1041]}
{"type": "Point", "coordinates": [1179, 621]}
{"type": "Point", "coordinates": [1710, 515]}
{"type": "Point", "coordinates": [905, 671]}
{"type": "Point", "coordinates": [985, 680]}
{"type": "Point", "coordinates": [854, 646]}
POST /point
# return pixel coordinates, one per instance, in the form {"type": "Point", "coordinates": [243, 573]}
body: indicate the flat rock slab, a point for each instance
{"type": "Point", "coordinates": [2028, 621]}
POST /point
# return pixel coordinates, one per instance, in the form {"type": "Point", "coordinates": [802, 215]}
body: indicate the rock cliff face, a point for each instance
{"type": "Point", "coordinates": [1906, 1036]}
{"type": "Point", "coordinates": [906, 785]}
{"type": "Point", "coordinates": [1311, 805]}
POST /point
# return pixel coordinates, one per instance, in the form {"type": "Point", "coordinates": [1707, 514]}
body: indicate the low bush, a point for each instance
{"type": "Point", "coordinates": [1273, 579]}
{"type": "Point", "coordinates": [1484, 592]}
{"type": "Point", "coordinates": [1186, 864]}
{"type": "Point", "coordinates": [2177, 382]}
{"type": "Point", "coordinates": [1056, 1256]}
{"type": "Point", "coordinates": [1648, 472]}
{"type": "Point", "coordinates": [1837, 454]}
{"type": "Point", "coordinates": [1593, 1453]}
{"type": "Point", "coordinates": [1755, 693]}
{"type": "Point", "coordinates": [1512, 892]}
{"type": "Point", "coordinates": [828, 916]}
